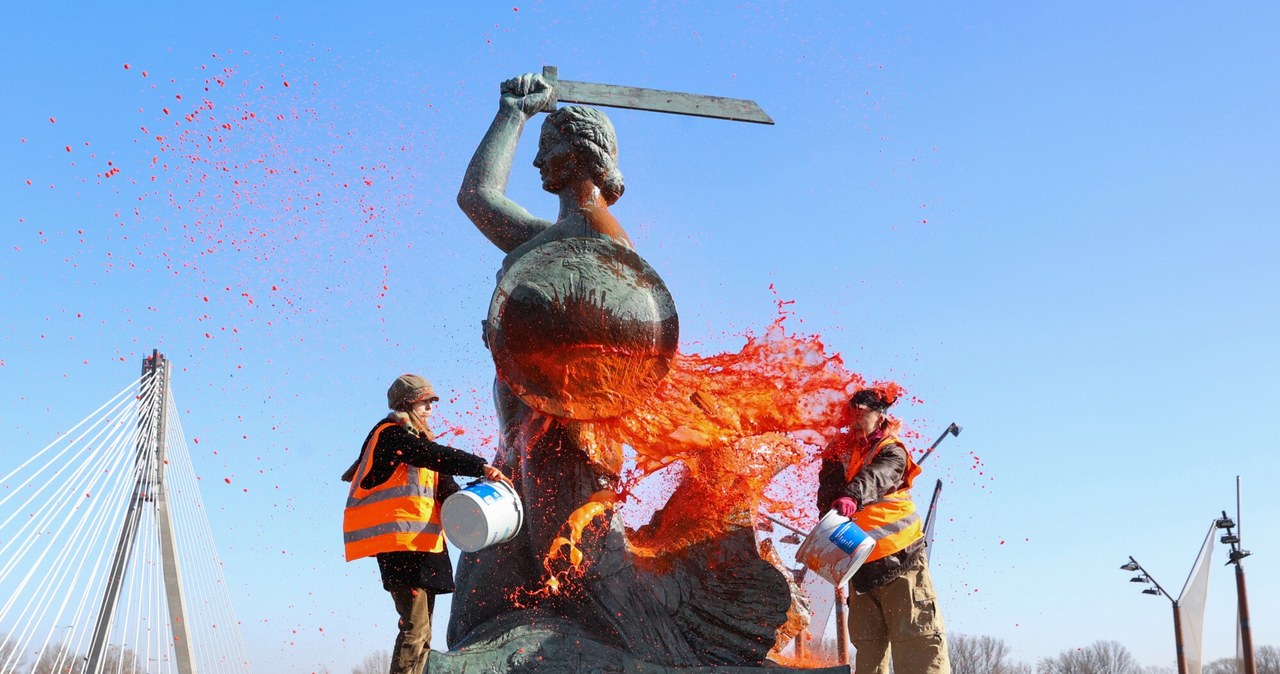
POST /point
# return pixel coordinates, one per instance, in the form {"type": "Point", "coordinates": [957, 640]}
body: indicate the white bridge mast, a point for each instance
{"type": "Point", "coordinates": [149, 487]}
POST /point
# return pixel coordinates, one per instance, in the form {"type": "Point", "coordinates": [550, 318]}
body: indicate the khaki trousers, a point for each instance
{"type": "Point", "coordinates": [413, 641]}
{"type": "Point", "coordinates": [902, 616]}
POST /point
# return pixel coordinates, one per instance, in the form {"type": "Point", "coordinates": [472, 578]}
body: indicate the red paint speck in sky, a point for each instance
{"type": "Point", "coordinates": [227, 480]}
{"type": "Point", "coordinates": [126, 66]}
{"type": "Point", "coordinates": [53, 120]}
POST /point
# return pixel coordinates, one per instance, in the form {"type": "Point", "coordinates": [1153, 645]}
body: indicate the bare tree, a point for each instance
{"type": "Point", "coordinates": [1100, 657]}
{"type": "Point", "coordinates": [1267, 660]}
{"type": "Point", "coordinates": [121, 660]}
{"type": "Point", "coordinates": [377, 662]}
{"type": "Point", "coordinates": [1221, 666]}
{"type": "Point", "coordinates": [58, 659]}
{"type": "Point", "coordinates": [980, 655]}
{"type": "Point", "coordinates": [9, 651]}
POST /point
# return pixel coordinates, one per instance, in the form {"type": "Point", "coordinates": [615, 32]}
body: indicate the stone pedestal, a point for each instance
{"type": "Point", "coordinates": [554, 646]}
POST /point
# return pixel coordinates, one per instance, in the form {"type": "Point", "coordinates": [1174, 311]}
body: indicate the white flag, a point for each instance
{"type": "Point", "coordinates": [1190, 606]}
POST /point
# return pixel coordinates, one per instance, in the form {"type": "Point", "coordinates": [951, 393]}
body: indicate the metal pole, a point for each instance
{"type": "Point", "coordinates": [1177, 639]}
{"type": "Point", "coordinates": [931, 515]}
{"type": "Point", "coordinates": [1177, 620]}
{"type": "Point", "coordinates": [842, 626]}
{"type": "Point", "coordinates": [1246, 633]}
{"type": "Point", "coordinates": [952, 429]}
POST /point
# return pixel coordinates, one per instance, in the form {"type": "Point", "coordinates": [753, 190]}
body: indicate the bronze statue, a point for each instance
{"type": "Point", "coordinates": [581, 329]}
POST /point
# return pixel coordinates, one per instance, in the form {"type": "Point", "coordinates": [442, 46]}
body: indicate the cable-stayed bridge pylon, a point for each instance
{"type": "Point", "coordinates": [107, 561]}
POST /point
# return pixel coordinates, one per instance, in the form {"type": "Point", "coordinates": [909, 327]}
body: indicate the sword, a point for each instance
{"type": "Point", "coordinates": [655, 100]}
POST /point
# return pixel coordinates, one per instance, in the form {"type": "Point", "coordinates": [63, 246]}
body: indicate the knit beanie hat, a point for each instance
{"type": "Point", "coordinates": [408, 389]}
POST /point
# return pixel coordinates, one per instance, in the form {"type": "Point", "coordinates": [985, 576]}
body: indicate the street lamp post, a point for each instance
{"type": "Point", "coordinates": [1145, 577]}
{"type": "Point", "coordinates": [1242, 598]}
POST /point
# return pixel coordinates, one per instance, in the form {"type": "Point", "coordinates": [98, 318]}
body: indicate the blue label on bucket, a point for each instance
{"type": "Point", "coordinates": [485, 492]}
{"type": "Point", "coordinates": [848, 537]}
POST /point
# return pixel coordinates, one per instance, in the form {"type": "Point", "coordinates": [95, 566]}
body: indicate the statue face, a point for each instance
{"type": "Point", "coordinates": [555, 160]}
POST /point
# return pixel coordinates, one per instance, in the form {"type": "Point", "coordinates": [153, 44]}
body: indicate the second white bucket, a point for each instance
{"type": "Point", "coordinates": [483, 514]}
{"type": "Point", "coordinates": [836, 548]}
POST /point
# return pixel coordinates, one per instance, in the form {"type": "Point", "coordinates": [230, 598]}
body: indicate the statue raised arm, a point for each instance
{"type": "Point", "coordinates": [577, 158]}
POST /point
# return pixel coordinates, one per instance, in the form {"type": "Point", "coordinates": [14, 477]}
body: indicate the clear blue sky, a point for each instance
{"type": "Point", "coordinates": [1053, 223]}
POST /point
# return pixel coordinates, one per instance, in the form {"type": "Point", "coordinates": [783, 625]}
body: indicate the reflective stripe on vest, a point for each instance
{"type": "Point", "coordinates": [892, 521]}
{"type": "Point", "coordinates": [400, 514]}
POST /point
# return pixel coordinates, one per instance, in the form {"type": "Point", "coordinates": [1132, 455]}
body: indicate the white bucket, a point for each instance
{"type": "Point", "coordinates": [835, 548]}
{"type": "Point", "coordinates": [483, 514]}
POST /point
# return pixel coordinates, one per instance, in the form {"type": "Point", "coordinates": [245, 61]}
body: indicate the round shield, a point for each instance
{"type": "Point", "coordinates": [582, 328]}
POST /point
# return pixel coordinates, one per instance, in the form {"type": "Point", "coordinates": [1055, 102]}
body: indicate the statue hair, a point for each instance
{"type": "Point", "coordinates": [593, 139]}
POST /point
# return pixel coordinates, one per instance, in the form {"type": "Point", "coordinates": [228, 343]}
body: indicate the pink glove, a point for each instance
{"type": "Point", "coordinates": [845, 506]}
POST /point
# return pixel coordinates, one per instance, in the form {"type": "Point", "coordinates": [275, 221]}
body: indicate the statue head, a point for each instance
{"type": "Point", "coordinates": [584, 138]}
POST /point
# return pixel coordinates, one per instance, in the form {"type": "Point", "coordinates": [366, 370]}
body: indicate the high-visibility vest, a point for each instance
{"type": "Point", "coordinates": [400, 514]}
{"type": "Point", "coordinates": [892, 521]}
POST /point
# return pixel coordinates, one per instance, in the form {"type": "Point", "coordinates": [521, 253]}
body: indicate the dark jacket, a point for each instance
{"type": "Point", "coordinates": [430, 570]}
{"type": "Point", "coordinates": [880, 477]}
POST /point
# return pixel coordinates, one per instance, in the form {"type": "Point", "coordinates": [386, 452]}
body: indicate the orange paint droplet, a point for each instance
{"type": "Point", "coordinates": [68, 148]}
{"type": "Point", "coordinates": [126, 66]}
{"type": "Point", "coordinates": [286, 83]}
{"type": "Point", "coordinates": [52, 120]}
{"type": "Point", "coordinates": [227, 480]}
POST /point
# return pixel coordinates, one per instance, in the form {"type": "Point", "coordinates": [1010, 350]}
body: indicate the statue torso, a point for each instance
{"type": "Point", "coordinates": [590, 222]}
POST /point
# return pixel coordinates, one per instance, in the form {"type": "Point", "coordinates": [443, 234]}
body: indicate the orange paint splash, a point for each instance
{"type": "Point", "coordinates": [734, 421]}
{"type": "Point", "coordinates": [598, 504]}
{"type": "Point", "coordinates": [737, 426]}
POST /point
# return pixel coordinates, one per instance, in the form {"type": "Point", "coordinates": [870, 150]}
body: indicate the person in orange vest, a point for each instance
{"type": "Point", "coordinates": [866, 476]}
{"type": "Point", "coordinates": [393, 511]}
